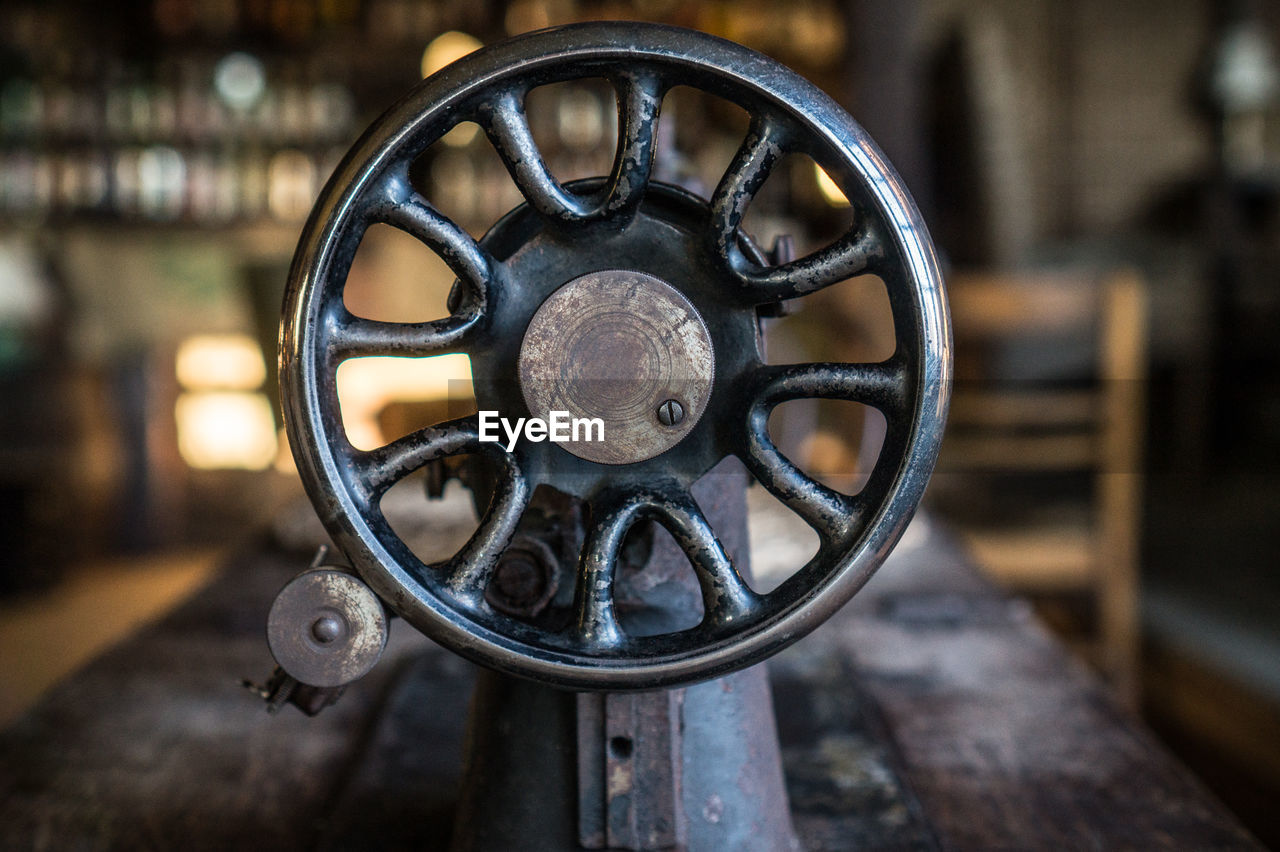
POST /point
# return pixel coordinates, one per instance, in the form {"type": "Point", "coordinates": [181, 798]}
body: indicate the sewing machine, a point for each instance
{"type": "Point", "coordinates": [616, 321]}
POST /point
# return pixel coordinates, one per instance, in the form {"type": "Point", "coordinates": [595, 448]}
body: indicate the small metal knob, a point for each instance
{"type": "Point", "coordinates": [326, 627]}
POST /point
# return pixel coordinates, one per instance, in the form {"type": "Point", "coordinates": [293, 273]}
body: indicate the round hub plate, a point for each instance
{"type": "Point", "coordinates": [624, 347]}
{"type": "Point", "coordinates": [326, 628]}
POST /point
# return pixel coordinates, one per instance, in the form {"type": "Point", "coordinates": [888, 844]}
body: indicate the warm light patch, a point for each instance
{"type": "Point", "coordinates": [367, 385]}
{"type": "Point", "coordinates": [446, 48]}
{"type": "Point", "coordinates": [291, 185]}
{"type": "Point", "coordinates": [461, 135]}
{"type": "Point", "coordinates": [226, 429]}
{"type": "Point", "coordinates": [221, 362]}
{"type": "Point", "coordinates": [830, 191]}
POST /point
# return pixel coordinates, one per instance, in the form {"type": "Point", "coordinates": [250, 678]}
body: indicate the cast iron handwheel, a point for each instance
{"type": "Point", "coordinates": [625, 221]}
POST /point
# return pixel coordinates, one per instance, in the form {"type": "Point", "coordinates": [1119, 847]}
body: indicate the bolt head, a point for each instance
{"type": "Point", "coordinates": [326, 629]}
{"type": "Point", "coordinates": [525, 579]}
{"type": "Point", "coordinates": [670, 412]}
{"type": "Point", "coordinates": [519, 581]}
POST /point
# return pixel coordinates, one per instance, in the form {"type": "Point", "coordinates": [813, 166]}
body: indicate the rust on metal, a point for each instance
{"type": "Point", "coordinates": [630, 771]}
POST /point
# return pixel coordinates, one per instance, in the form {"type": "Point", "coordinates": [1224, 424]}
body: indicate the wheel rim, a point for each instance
{"type": "Point", "coordinates": [446, 600]}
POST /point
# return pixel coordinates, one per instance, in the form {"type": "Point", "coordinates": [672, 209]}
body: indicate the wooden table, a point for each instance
{"type": "Point", "coordinates": [930, 713]}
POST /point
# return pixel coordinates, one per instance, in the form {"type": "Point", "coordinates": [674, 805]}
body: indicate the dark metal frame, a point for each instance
{"type": "Point", "coordinates": [623, 221]}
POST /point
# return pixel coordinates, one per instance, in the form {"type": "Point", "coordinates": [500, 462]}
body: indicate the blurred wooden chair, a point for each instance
{"type": "Point", "coordinates": [1009, 425]}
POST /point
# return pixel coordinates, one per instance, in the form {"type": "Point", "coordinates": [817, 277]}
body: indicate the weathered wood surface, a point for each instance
{"type": "Point", "coordinates": [929, 713]}
{"type": "Point", "coordinates": [1007, 742]}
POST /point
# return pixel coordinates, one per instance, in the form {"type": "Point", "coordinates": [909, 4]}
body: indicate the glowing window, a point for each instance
{"type": "Point", "coordinates": [226, 429]}
{"type": "Point", "coordinates": [223, 419]}
{"type": "Point", "coordinates": [366, 385]}
{"type": "Point", "coordinates": [221, 362]}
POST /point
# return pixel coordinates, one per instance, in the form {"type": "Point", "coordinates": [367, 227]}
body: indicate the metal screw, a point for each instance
{"type": "Point", "coordinates": [670, 413]}
{"type": "Point", "coordinates": [326, 629]}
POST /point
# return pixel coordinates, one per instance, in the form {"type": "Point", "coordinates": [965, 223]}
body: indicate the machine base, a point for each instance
{"type": "Point", "coordinates": [687, 769]}
{"type": "Point", "coordinates": [842, 778]}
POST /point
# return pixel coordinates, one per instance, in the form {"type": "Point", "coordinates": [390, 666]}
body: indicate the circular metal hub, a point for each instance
{"type": "Point", "coordinates": [622, 347]}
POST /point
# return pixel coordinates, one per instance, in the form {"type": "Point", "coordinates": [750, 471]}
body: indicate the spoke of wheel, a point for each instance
{"type": "Point", "coordinates": [471, 568]}
{"type": "Point", "coordinates": [597, 623]}
{"type": "Point", "coordinates": [404, 208]}
{"type": "Point", "coordinates": [374, 471]}
{"type": "Point", "coordinates": [831, 514]}
{"type": "Point", "coordinates": [505, 122]}
{"type": "Point", "coordinates": [408, 211]}
{"type": "Point", "coordinates": [881, 385]}
{"type": "Point", "coordinates": [355, 337]}
{"type": "Point", "coordinates": [468, 571]}
{"type": "Point", "coordinates": [851, 255]}
{"type": "Point", "coordinates": [747, 172]}
{"type": "Point", "coordinates": [726, 597]}
{"type": "Point", "coordinates": [639, 102]}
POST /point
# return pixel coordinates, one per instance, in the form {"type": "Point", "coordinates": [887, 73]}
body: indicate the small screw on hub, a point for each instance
{"type": "Point", "coordinates": [670, 413]}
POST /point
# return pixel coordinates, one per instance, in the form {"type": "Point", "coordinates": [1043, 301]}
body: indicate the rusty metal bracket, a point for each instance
{"type": "Point", "coordinates": [629, 771]}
